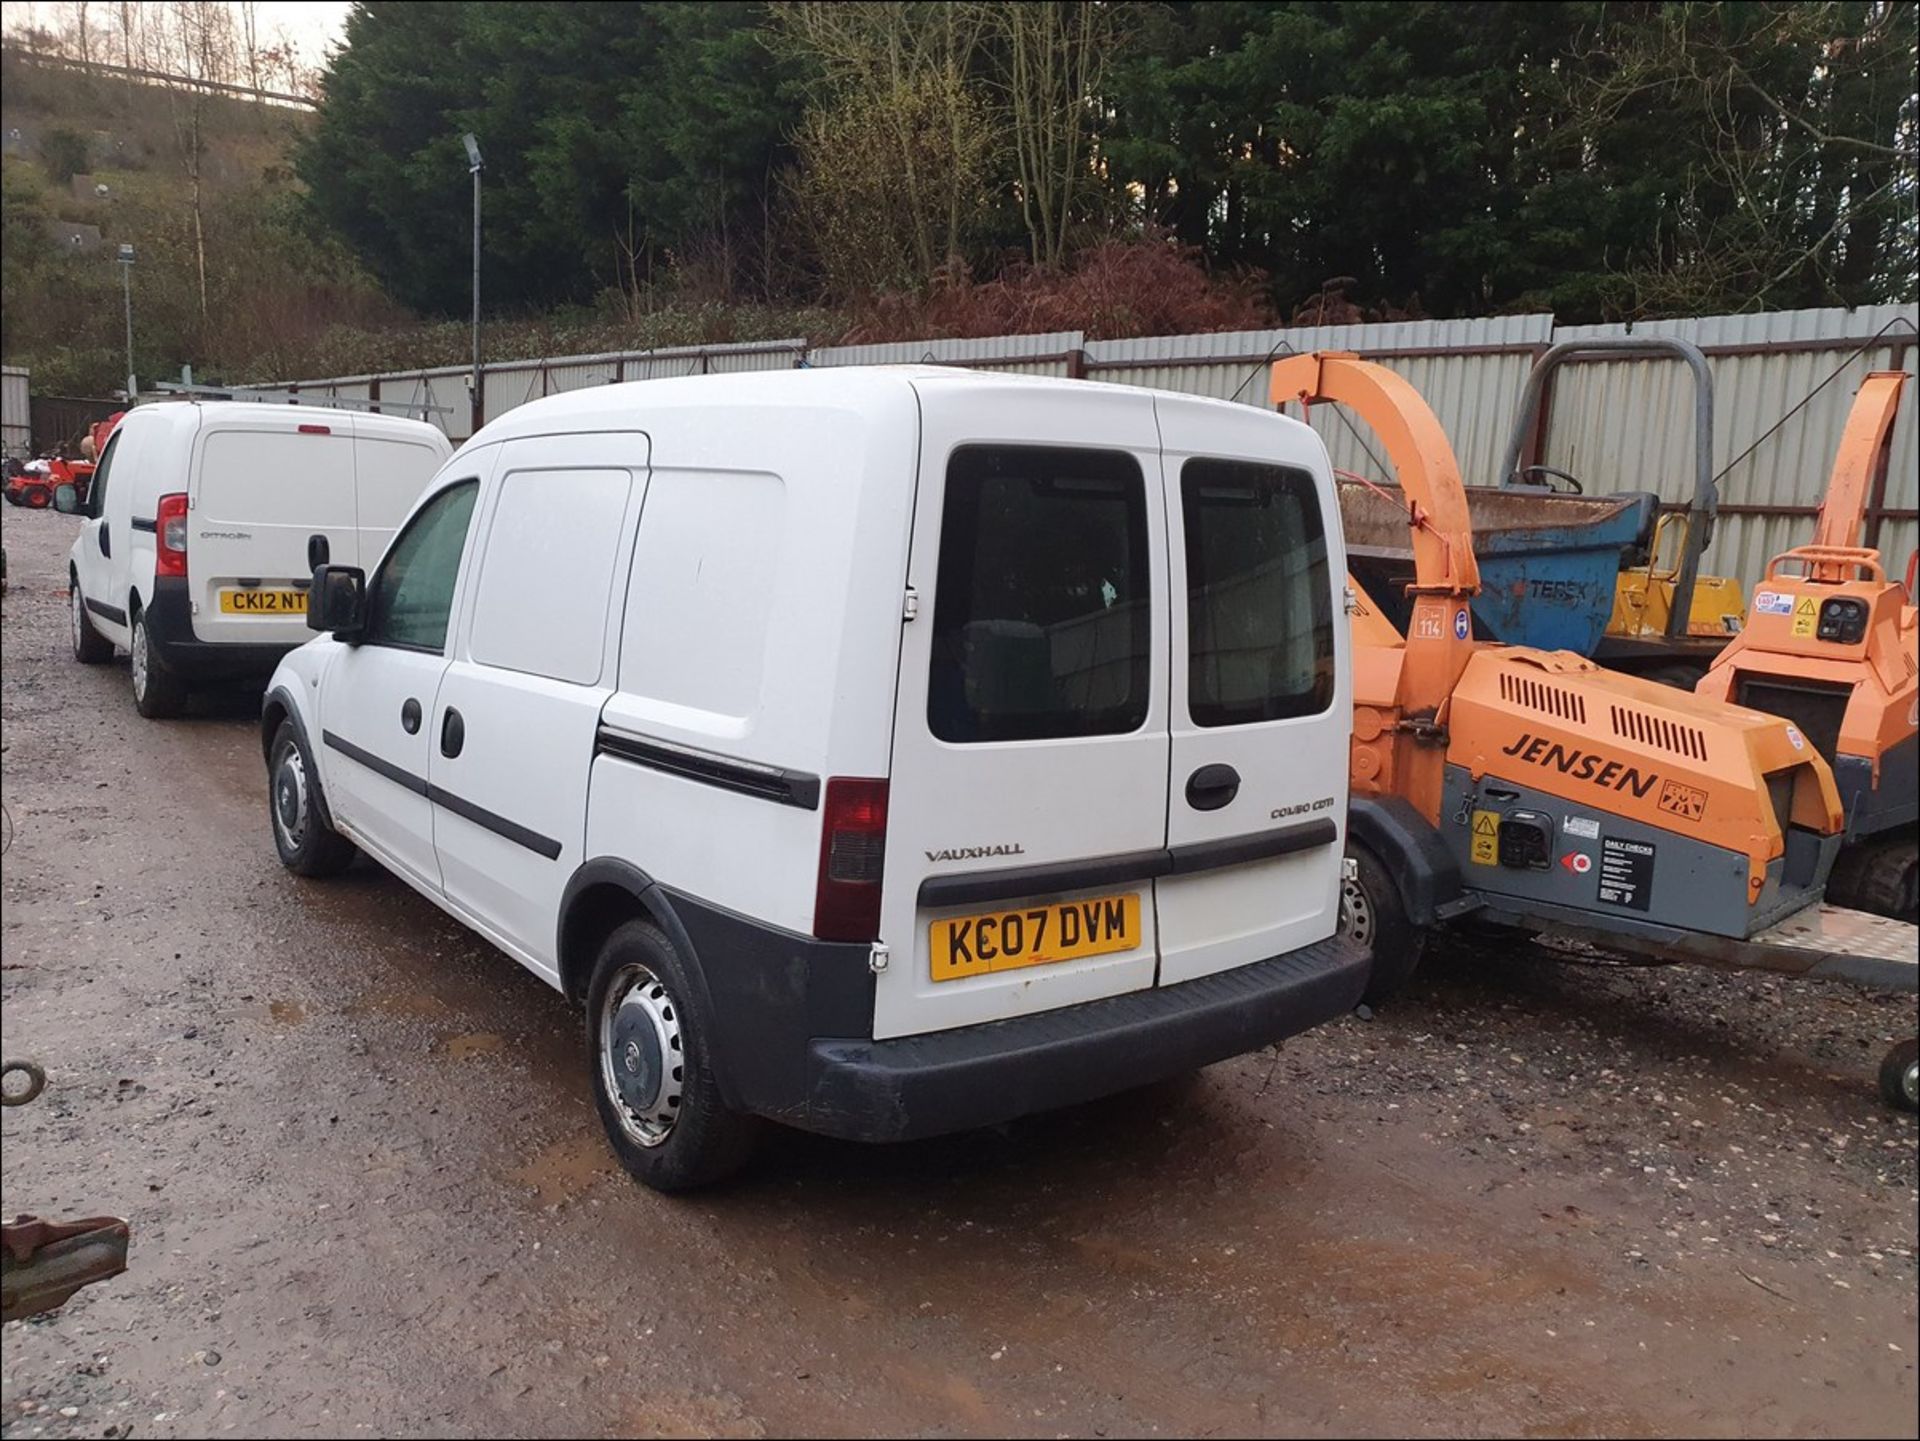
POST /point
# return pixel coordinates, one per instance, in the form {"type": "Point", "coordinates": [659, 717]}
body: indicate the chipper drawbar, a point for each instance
{"type": "Point", "coordinates": [1535, 789]}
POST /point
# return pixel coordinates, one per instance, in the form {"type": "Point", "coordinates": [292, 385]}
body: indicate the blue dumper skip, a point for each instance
{"type": "Point", "coordinates": [1548, 561]}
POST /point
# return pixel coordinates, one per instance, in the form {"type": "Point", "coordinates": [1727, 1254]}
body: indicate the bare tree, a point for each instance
{"type": "Point", "coordinates": [897, 77]}
{"type": "Point", "coordinates": [201, 46]}
{"type": "Point", "coordinates": [250, 32]}
{"type": "Point", "coordinates": [1800, 138]}
{"type": "Point", "coordinates": [1053, 56]}
{"type": "Point", "coordinates": [82, 31]}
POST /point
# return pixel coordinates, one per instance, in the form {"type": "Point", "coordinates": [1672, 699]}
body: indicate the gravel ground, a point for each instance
{"type": "Point", "coordinates": [369, 1195]}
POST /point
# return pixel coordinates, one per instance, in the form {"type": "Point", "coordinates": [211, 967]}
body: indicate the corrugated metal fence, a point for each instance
{"type": "Point", "coordinates": [1783, 383]}
{"type": "Point", "coordinates": [16, 416]}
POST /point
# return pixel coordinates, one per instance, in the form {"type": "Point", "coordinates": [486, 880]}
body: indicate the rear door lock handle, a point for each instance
{"type": "Point", "coordinates": [1212, 786]}
{"type": "Point", "coordinates": [453, 733]}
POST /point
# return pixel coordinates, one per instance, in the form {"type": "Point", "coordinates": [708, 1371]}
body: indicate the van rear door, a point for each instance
{"type": "Point", "coordinates": [389, 475]}
{"type": "Point", "coordinates": [259, 490]}
{"type": "Point", "coordinates": [1258, 797]}
{"type": "Point", "coordinates": [1027, 801]}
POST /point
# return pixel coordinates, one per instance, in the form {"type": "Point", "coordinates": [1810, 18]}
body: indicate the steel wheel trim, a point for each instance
{"type": "Point", "coordinates": [1910, 1082]}
{"type": "Point", "coordinates": [642, 1055]}
{"type": "Point", "coordinates": [138, 653]}
{"type": "Point", "coordinates": [290, 801]}
{"type": "Point", "coordinates": [79, 609]}
{"type": "Point", "coordinates": [1358, 919]}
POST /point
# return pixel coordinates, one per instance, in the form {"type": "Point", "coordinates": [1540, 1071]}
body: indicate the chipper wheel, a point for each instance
{"type": "Point", "coordinates": [1882, 877]}
{"type": "Point", "coordinates": [1900, 1076]}
{"type": "Point", "coordinates": [1373, 914]}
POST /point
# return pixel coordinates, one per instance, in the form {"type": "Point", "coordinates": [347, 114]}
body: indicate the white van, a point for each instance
{"type": "Point", "coordinates": [884, 752]}
{"type": "Point", "coordinates": [200, 541]}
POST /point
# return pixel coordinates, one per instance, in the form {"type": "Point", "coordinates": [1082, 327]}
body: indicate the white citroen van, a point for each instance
{"type": "Point", "coordinates": [200, 538]}
{"type": "Point", "coordinates": [883, 752]}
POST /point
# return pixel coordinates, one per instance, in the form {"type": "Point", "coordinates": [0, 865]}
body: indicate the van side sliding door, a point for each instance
{"type": "Point", "coordinates": [534, 660]}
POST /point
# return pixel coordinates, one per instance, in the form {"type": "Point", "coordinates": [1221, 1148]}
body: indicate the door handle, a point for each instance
{"type": "Point", "coordinates": [410, 716]}
{"type": "Point", "coordinates": [1212, 787]}
{"type": "Point", "coordinates": [106, 546]}
{"type": "Point", "coordinates": [453, 733]}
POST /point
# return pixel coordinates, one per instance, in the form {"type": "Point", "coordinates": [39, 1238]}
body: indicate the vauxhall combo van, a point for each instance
{"type": "Point", "coordinates": [200, 522]}
{"type": "Point", "coordinates": [883, 752]}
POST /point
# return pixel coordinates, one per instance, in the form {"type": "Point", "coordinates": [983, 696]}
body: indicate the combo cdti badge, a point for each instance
{"type": "Point", "coordinates": [879, 751]}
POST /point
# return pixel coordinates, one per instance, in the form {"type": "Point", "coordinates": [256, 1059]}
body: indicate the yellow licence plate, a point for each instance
{"type": "Point", "coordinates": [1033, 936]}
{"type": "Point", "coordinates": [263, 602]}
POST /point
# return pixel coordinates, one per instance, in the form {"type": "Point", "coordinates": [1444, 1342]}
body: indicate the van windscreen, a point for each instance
{"type": "Point", "coordinates": [1040, 613]}
{"type": "Point", "coordinates": [1259, 602]}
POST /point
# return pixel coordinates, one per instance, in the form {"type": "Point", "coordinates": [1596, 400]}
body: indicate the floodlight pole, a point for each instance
{"type": "Point", "coordinates": [125, 261]}
{"type": "Point", "coordinates": [473, 156]}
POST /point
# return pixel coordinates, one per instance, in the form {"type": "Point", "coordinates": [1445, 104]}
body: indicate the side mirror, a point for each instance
{"type": "Point", "coordinates": [338, 601]}
{"type": "Point", "coordinates": [66, 499]}
{"type": "Point", "coordinates": [319, 551]}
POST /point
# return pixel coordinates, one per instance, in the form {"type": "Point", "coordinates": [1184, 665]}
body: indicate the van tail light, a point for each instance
{"type": "Point", "coordinates": [170, 533]}
{"type": "Point", "coordinates": [853, 846]}
{"type": "Point", "coordinates": [315, 429]}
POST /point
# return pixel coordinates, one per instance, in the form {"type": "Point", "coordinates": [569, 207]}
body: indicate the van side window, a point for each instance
{"type": "Point", "coordinates": [1041, 623]}
{"type": "Point", "coordinates": [1259, 608]}
{"type": "Point", "coordinates": [97, 490]}
{"type": "Point", "coordinates": [412, 592]}
{"type": "Point", "coordinates": [540, 605]}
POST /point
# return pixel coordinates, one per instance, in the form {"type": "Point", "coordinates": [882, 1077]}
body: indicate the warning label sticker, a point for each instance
{"type": "Point", "coordinates": [1626, 873]}
{"type": "Point", "coordinates": [1772, 602]}
{"type": "Point", "coordinates": [1804, 617]}
{"type": "Point", "coordinates": [1687, 802]}
{"type": "Point", "coordinates": [1486, 838]}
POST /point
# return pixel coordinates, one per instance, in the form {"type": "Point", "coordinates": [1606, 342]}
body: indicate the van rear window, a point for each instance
{"type": "Point", "coordinates": [1040, 613]}
{"type": "Point", "coordinates": [1259, 602]}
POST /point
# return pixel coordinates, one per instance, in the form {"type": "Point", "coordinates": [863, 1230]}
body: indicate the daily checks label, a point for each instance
{"type": "Point", "coordinates": [1626, 873]}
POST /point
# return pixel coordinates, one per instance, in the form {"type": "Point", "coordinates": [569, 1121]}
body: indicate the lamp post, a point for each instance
{"type": "Point", "coordinates": [474, 167]}
{"type": "Point", "coordinates": [125, 261]}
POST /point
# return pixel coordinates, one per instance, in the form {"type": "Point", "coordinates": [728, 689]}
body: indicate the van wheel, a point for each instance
{"type": "Point", "coordinates": [303, 832]}
{"type": "Point", "coordinates": [157, 691]}
{"type": "Point", "coordinates": [652, 1075]}
{"type": "Point", "coordinates": [1373, 915]}
{"type": "Point", "coordinates": [1900, 1076]}
{"type": "Point", "coordinates": [89, 646]}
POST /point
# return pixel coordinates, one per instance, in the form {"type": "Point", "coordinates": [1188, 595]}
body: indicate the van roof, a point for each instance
{"type": "Point", "coordinates": [191, 414]}
{"type": "Point", "coordinates": [621, 405]}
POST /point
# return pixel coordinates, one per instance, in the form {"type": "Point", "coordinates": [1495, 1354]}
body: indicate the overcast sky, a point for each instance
{"type": "Point", "coordinates": [310, 25]}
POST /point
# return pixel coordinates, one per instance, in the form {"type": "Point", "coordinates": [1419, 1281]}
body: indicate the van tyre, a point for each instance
{"type": "Point", "coordinates": [653, 1084]}
{"type": "Point", "coordinates": [303, 830]}
{"type": "Point", "coordinates": [157, 692]}
{"type": "Point", "coordinates": [1900, 1076]}
{"type": "Point", "coordinates": [1372, 914]}
{"type": "Point", "coordinates": [89, 646]}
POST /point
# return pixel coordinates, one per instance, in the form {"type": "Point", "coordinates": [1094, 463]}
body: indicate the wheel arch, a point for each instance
{"type": "Point", "coordinates": [602, 895]}
{"type": "Point", "coordinates": [1410, 849]}
{"type": "Point", "coordinates": [276, 708]}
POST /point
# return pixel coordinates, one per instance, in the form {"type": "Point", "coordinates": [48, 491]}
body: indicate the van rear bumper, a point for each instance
{"type": "Point", "coordinates": [169, 616]}
{"type": "Point", "coordinates": [948, 1081]}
